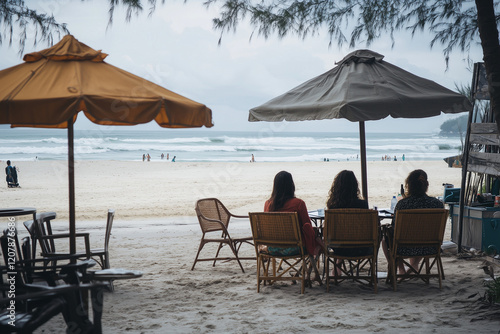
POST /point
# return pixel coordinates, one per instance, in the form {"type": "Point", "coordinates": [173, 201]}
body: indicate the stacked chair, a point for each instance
{"type": "Point", "coordinates": [41, 230]}
{"type": "Point", "coordinates": [44, 290]}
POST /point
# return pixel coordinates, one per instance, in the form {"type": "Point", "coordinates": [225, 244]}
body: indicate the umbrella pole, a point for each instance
{"type": "Point", "coordinates": [362, 153]}
{"type": "Point", "coordinates": [71, 179]}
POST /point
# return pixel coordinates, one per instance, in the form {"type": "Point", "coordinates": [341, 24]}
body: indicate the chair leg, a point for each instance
{"type": "Point", "coordinates": [440, 272]}
{"type": "Point", "coordinates": [327, 269]}
{"type": "Point", "coordinates": [259, 264]}
{"type": "Point", "coordinates": [394, 268]}
{"type": "Point", "coordinates": [235, 254]}
{"type": "Point", "coordinates": [217, 254]}
{"type": "Point", "coordinates": [303, 284]}
{"type": "Point", "coordinates": [202, 243]}
{"type": "Point", "coordinates": [441, 267]}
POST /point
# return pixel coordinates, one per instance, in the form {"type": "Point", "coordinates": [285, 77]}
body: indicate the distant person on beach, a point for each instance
{"type": "Point", "coordinates": [143, 157]}
{"type": "Point", "coordinates": [395, 159]}
{"type": "Point", "coordinates": [11, 175]}
{"type": "Point", "coordinates": [403, 158]}
{"type": "Point", "coordinates": [148, 157]}
{"type": "Point", "coordinates": [162, 156]}
{"type": "Point", "coordinates": [252, 159]}
{"type": "Point", "coordinates": [283, 200]}
{"type": "Point", "coordinates": [173, 159]}
{"type": "Point", "coordinates": [415, 197]}
{"type": "Point", "coordinates": [168, 156]}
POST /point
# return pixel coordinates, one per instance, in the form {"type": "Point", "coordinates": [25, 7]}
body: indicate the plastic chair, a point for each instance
{"type": "Point", "coordinates": [41, 230]}
{"type": "Point", "coordinates": [103, 253]}
{"type": "Point", "coordinates": [37, 302]}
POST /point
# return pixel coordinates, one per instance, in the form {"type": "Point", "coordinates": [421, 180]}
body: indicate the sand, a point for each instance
{"type": "Point", "coordinates": [164, 189]}
{"type": "Point", "coordinates": [155, 231]}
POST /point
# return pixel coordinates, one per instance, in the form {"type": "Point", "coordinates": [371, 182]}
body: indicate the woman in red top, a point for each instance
{"type": "Point", "coordinates": [283, 200]}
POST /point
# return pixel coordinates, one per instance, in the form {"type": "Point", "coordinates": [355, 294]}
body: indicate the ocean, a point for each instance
{"type": "Point", "coordinates": [111, 143]}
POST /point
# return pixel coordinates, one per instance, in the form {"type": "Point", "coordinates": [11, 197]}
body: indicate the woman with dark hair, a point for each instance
{"type": "Point", "coordinates": [415, 197]}
{"type": "Point", "coordinates": [344, 192]}
{"type": "Point", "coordinates": [416, 185]}
{"type": "Point", "coordinates": [283, 200]}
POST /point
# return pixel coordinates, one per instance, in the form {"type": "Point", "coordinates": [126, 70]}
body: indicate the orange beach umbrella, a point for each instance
{"type": "Point", "coordinates": [52, 86]}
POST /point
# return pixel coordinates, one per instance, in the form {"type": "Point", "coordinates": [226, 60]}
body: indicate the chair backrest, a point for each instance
{"type": "Point", "coordinates": [109, 225]}
{"type": "Point", "coordinates": [277, 229]}
{"type": "Point", "coordinates": [42, 227]}
{"type": "Point", "coordinates": [33, 229]}
{"type": "Point", "coordinates": [12, 251]}
{"type": "Point", "coordinates": [211, 208]}
{"type": "Point", "coordinates": [351, 227]}
{"type": "Point", "coordinates": [417, 227]}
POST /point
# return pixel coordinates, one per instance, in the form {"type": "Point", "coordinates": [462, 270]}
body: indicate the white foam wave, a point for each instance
{"type": "Point", "coordinates": [169, 140]}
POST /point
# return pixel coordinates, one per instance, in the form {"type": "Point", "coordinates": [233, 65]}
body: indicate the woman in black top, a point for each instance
{"type": "Point", "coordinates": [416, 185]}
{"type": "Point", "coordinates": [344, 193]}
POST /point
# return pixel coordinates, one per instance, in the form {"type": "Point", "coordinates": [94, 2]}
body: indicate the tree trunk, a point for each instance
{"type": "Point", "coordinates": [491, 52]}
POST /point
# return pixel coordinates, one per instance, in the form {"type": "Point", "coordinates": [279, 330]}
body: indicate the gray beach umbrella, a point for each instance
{"type": "Point", "coordinates": [362, 87]}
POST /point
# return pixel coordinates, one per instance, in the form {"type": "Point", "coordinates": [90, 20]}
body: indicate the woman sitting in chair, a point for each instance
{"type": "Point", "coordinates": [344, 193]}
{"type": "Point", "coordinates": [283, 200]}
{"type": "Point", "coordinates": [415, 197]}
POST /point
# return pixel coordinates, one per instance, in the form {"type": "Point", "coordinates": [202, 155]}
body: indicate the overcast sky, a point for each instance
{"type": "Point", "coordinates": [178, 49]}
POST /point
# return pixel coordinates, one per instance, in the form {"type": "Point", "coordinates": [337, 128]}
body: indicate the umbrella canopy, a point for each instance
{"type": "Point", "coordinates": [362, 87]}
{"type": "Point", "coordinates": [52, 86]}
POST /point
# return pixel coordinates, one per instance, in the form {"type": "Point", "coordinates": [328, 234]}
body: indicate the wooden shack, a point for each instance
{"type": "Point", "coordinates": [476, 219]}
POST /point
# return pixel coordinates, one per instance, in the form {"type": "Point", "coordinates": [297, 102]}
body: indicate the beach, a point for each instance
{"type": "Point", "coordinates": [156, 231]}
{"type": "Point", "coordinates": [141, 190]}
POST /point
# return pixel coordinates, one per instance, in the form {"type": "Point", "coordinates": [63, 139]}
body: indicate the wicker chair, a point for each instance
{"type": "Point", "coordinates": [214, 217]}
{"type": "Point", "coordinates": [280, 230]}
{"type": "Point", "coordinates": [419, 232]}
{"type": "Point", "coordinates": [352, 241]}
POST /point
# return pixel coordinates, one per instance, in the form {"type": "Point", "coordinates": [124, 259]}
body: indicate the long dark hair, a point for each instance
{"type": "Point", "coordinates": [416, 183]}
{"type": "Point", "coordinates": [283, 190]}
{"type": "Point", "coordinates": [344, 191]}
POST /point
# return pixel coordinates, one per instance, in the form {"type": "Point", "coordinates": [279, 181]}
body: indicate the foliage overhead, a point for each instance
{"type": "Point", "coordinates": [17, 19]}
{"type": "Point", "coordinates": [453, 23]}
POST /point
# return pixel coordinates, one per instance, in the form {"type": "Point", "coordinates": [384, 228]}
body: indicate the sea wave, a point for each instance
{"type": "Point", "coordinates": [169, 140]}
{"type": "Point", "coordinates": [222, 146]}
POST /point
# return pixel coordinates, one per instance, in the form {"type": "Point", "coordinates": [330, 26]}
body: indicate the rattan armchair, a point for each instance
{"type": "Point", "coordinates": [352, 240]}
{"type": "Point", "coordinates": [279, 230]}
{"type": "Point", "coordinates": [214, 217]}
{"type": "Point", "coordinates": [418, 233]}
